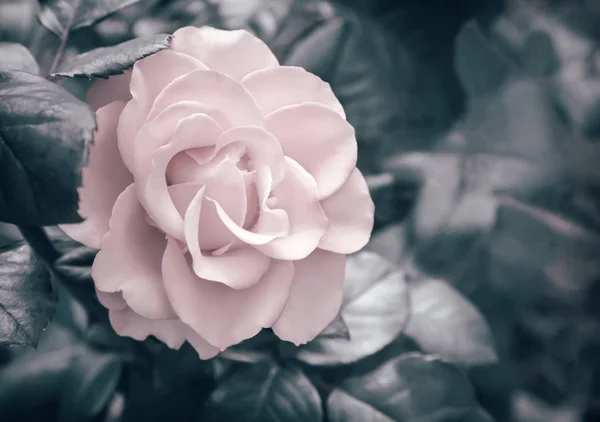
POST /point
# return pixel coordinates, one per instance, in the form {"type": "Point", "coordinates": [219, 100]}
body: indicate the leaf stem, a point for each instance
{"type": "Point", "coordinates": [39, 240]}
{"type": "Point", "coordinates": [59, 52]}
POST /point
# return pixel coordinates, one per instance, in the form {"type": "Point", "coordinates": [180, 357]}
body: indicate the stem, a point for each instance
{"type": "Point", "coordinates": [59, 52]}
{"type": "Point", "coordinates": [38, 239]}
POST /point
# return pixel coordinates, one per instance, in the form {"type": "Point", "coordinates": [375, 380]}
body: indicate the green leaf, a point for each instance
{"type": "Point", "coordinates": [374, 308]}
{"type": "Point", "coordinates": [26, 299]}
{"type": "Point", "coordinates": [412, 387]}
{"type": "Point", "coordinates": [108, 61]}
{"type": "Point", "coordinates": [63, 16]}
{"type": "Point", "coordinates": [15, 56]}
{"type": "Point", "coordinates": [338, 329]}
{"type": "Point", "coordinates": [63, 370]}
{"type": "Point", "coordinates": [44, 137]}
{"type": "Point", "coordinates": [443, 322]}
{"type": "Point", "coordinates": [93, 380]}
{"type": "Point", "coordinates": [264, 392]}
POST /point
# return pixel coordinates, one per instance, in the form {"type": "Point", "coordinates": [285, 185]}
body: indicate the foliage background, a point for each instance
{"type": "Point", "coordinates": [478, 125]}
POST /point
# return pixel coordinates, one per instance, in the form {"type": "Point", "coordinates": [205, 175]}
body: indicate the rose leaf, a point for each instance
{"type": "Point", "coordinates": [374, 309]}
{"type": "Point", "coordinates": [15, 56]}
{"type": "Point", "coordinates": [411, 387]}
{"type": "Point", "coordinates": [93, 379]}
{"type": "Point", "coordinates": [27, 301]}
{"type": "Point", "coordinates": [107, 61]}
{"type": "Point", "coordinates": [63, 16]}
{"type": "Point", "coordinates": [443, 322]}
{"type": "Point", "coordinates": [264, 392]}
{"type": "Point", "coordinates": [44, 137]}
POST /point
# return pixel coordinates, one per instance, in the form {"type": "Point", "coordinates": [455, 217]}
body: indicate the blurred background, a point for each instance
{"type": "Point", "coordinates": [478, 123]}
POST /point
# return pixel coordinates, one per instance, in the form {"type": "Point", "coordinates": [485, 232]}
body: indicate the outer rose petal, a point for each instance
{"type": "Point", "coordinates": [172, 332]}
{"type": "Point", "coordinates": [320, 140]}
{"type": "Point", "coordinates": [315, 298]}
{"type": "Point", "coordinates": [149, 77]}
{"type": "Point", "coordinates": [215, 90]}
{"type": "Point", "coordinates": [283, 86]}
{"type": "Point", "coordinates": [221, 315]}
{"type": "Point", "coordinates": [112, 301]}
{"type": "Point", "coordinates": [235, 53]}
{"type": "Point", "coordinates": [297, 196]}
{"type": "Point", "coordinates": [350, 212]}
{"type": "Point", "coordinates": [103, 179]}
{"type": "Point", "coordinates": [129, 259]}
{"type": "Point", "coordinates": [237, 268]}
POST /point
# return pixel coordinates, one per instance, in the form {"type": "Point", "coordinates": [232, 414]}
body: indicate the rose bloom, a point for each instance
{"type": "Point", "coordinates": [223, 194]}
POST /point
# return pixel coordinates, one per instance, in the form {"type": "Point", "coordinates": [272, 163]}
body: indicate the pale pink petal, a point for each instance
{"type": "Point", "coordinates": [237, 268]}
{"type": "Point", "coordinates": [105, 91]}
{"type": "Point", "coordinates": [159, 131]}
{"type": "Point", "coordinates": [297, 196]}
{"type": "Point", "coordinates": [172, 332]}
{"type": "Point", "coordinates": [278, 87]}
{"type": "Point", "coordinates": [315, 298]}
{"type": "Point", "coordinates": [149, 77]}
{"type": "Point", "coordinates": [270, 224]}
{"type": "Point", "coordinates": [235, 53]}
{"type": "Point", "coordinates": [320, 140]}
{"type": "Point", "coordinates": [261, 147]}
{"type": "Point", "coordinates": [216, 91]}
{"type": "Point", "coordinates": [221, 315]}
{"type": "Point", "coordinates": [103, 179]}
{"type": "Point", "coordinates": [130, 257]}
{"type": "Point", "coordinates": [112, 301]}
{"type": "Point", "coordinates": [195, 131]}
{"type": "Point", "coordinates": [225, 186]}
{"type": "Point", "coordinates": [350, 212]}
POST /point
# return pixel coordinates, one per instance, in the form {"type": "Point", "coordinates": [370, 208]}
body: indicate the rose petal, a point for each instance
{"type": "Point", "coordinates": [215, 90]}
{"type": "Point", "coordinates": [129, 259]}
{"type": "Point", "coordinates": [297, 196]}
{"type": "Point", "coordinates": [237, 268]}
{"type": "Point", "coordinates": [197, 130]}
{"type": "Point", "coordinates": [103, 179]}
{"type": "Point", "coordinates": [350, 212]}
{"type": "Point", "coordinates": [112, 301]}
{"type": "Point", "coordinates": [160, 130]}
{"type": "Point", "coordinates": [225, 186]}
{"type": "Point", "coordinates": [235, 53]}
{"type": "Point", "coordinates": [105, 91]}
{"type": "Point", "coordinates": [261, 147]}
{"type": "Point", "coordinates": [278, 87]}
{"type": "Point", "coordinates": [221, 315]}
{"type": "Point", "coordinates": [149, 77]}
{"type": "Point", "coordinates": [320, 140]}
{"type": "Point", "coordinates": [315, 298]}
{"type": "Point", "coordinates": [172, 332]}
{"type": "Point", "coordinates": [270, 224]}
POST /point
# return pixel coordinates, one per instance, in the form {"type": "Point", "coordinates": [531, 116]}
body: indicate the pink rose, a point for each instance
{"type": "Point", "coordinates": [223, 194]}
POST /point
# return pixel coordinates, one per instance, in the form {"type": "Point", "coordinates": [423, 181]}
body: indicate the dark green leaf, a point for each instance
{"type": "Point", "coordinates": [63, 16]}
{"type": "Point", "coordinates": [26, 299]}
{"type": "Point", "coordinates": [412, 387]}
{"type": "Point", "coordinates": [175, 370]}
{"type": "Point", "coordinates": [374, 308]}
{"type": "Point", "coordinates": [62, 370]}
{"type": "Point", "coordinates": [93, 379]}
{"type": "Point", "coordinates": [108, 61]}
{"type": "Point", "coordinates": [264, 392]}
{"type": "Point", "coordinates": [337, 329]}
{"type": "Point", "coordinates": [17, 57]}
{"type": "Point", "coordinates": [44, 137]}
{"type": "Point", "coordinates": [443, 322]}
